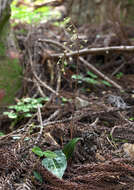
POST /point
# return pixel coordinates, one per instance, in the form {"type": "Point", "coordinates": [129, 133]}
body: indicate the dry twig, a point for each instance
{"type": "Point", "coordinates": [104, 50]}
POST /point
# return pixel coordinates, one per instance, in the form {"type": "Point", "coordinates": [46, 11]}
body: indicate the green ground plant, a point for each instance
{"type": "Point", "coordinates": [27, 14]}
{"type": "Point", "coordinates": [90, 78]}
{"type": "Point", "coordinates": [24, 108]}
{"type": "Point", "coordinates": [55, 162]}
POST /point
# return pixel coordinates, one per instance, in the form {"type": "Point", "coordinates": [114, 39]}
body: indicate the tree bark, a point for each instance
{"type": "Point", "coordinates": [10, 69]}
{"type": "Point", "coordinates": [99, 11]}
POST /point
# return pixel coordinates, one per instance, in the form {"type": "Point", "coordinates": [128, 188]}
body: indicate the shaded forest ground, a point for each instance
{"type": "Point", "coordinates": [99, 109]}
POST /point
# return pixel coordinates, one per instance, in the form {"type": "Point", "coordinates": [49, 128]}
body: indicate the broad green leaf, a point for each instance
{"type": "Point", "coordinates": [38, 176]}
{"type": "Point", "coordinates": [57, 165]}
{"type": "Point", "coordinates": [37, 151]}
{"type": "Point", "coordinates": [69, 148]}
{"type": "Point", "coordinates": [50, 154]}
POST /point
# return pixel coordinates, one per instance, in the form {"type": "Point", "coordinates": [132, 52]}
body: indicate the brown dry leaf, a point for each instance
{"type": "Point", "coordinates": [99, 157]}
{"type": "Point", "coordinates": [129, 149]}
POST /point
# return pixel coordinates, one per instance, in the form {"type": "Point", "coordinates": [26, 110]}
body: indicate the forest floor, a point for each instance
{"type": "Point", "coordinates": [93, 105]}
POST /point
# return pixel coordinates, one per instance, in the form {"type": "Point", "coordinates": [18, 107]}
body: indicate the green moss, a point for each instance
{"type": "Point", "coordinates": [4, 19]}
{"type": "Point", "coordinates": [10, 79]}
{"type": "Point", "coordinates": [2, 50]}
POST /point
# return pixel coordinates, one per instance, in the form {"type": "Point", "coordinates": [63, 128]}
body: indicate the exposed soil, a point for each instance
{"type": "Point", "coordinates": [99, 113]}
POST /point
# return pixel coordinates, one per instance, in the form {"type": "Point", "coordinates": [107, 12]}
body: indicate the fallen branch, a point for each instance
{"type": "Point", "coordinates": [100, 73]}
{"type": "Point", "coordinates": [93, 51]}
{"type": "Point", "coordinates": [80, 52]}
{"type": "Point", "coordinates": [41, 125]}
{"type": "Point", "coordinates": [53, 3]}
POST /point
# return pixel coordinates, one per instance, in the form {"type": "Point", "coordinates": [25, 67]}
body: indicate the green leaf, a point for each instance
{"type": "Point", "coordinates": [34, 101]}
{"type": "Point", "coordinates": [35, 106]}
{"type": "Point", "coordinates": [42, 9]}
{"type": "Point", "coordinates": [46, 99]}
{"type": "Point", "coordinates": [38, 176]}
{"type": "Point", "coordinates": [119, 75]}
{"type": "Point", "coordinates": [12, 107]}
{"type": "Point", "coordinates": [64, 99]}
{"type": "Point", "coordinates": [20, 103]}
{"type": "Point", "coordinates": [29, 106]}
{"type": "Point", "coordinates": [58, 165]}
{"type": "Point", "coordinates": [39, 100]}
{"type": "Point", "coordinates": [77, 77]}
{"type": "Point", "coordinates": [12, 115]}
{"type": "Point", "coordinates": [131, 118]}
{"type": "Point", "coordinates": [92, 75]}
{"type": "Point", "coordinates": [28, 115]}
{"type": "Point", "coordinates": [106, 83]}
{"type": "Point", "coordinates": [38, 151]}
{"type": "Point", "coordinates": [25, 109]}
{"type": "Point", "coordinates": [69, 148]}
{"type": "Point", "coordinates": [50, 154]}
{"type": "Point", "coordinates": [24, 106]}
{"type": "Point", "coordinates": [19, 108]}
{"type": "Point", "coordinates": [27, 100]}
{"type": "Point", "coordinates": [1, 134]}
{"type": "Point", "coordinates": [90, 80]}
